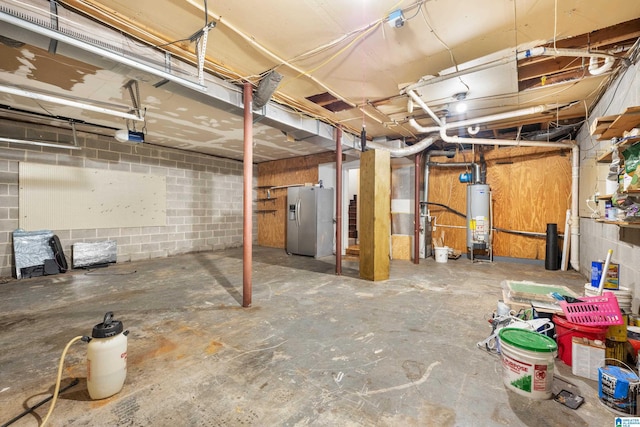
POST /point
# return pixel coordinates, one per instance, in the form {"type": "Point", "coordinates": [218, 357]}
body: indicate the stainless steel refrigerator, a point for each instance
{"type": "Point", "coordinates": [310, 221]}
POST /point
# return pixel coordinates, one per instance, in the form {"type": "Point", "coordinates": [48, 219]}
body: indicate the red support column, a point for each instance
{"type": "Point", "coordinates": [416, 210]}
{"type": "Point", "coordinates": [339, 201]}
{"type": "Point", "coordinates": [247, 235]}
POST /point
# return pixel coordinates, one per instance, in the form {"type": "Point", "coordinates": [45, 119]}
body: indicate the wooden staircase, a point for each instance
{"type": "Point", "coordinates": [353, 218]}
{"type": "Point", "coordinates": [353, 250]}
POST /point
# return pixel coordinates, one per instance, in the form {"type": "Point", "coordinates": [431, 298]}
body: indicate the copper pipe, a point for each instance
{"type": "Point", "coordinates": [416, 210]}
{"type": "Point", "coordinates": [247, 238]}
{"type": "Point", "coordinates": [339, 201]}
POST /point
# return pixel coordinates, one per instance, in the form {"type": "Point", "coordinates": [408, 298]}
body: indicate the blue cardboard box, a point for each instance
{"type": "Point", "coordinates": [612, 281]}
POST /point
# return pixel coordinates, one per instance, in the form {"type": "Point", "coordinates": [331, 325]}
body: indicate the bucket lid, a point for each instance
{"type": "Point", "coordinates": [108, 328]}
{"type": "Point", "coordinates": [527, 340]}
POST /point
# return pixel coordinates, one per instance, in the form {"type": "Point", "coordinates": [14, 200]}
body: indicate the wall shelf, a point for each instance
{"type": "Point", "coordinates": [267, 199]}
{"type": "Point", "coordinates": [622, 145]}
{"type": "Point", "coordinates": [614, 126]}
{"type": "Point", "coordinates": [620, 223]}
{"type": "Point", "coordinates": [266, 210]}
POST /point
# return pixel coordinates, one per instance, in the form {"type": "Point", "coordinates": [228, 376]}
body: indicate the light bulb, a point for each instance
{"type": "Point", "coordinates": [461, 107]}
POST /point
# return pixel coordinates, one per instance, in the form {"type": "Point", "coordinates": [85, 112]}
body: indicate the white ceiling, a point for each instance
{"type": "Point", "coordinates": [346, 48]}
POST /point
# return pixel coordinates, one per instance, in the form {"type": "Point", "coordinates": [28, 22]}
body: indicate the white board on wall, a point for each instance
{"type": "Point", "coordinates": [67, 198]}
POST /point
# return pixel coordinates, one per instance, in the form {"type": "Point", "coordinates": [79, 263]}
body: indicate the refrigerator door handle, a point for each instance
{"type": "Point", "coordinates": [298, 212]}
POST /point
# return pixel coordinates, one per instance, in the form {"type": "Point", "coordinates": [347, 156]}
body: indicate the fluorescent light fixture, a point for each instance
{"type": "Point", "coordinates": [67, 102]}
{"type": "Point", "coordinates": [119, 58]}
{"type": "Point", "coordinates": [39, 143]}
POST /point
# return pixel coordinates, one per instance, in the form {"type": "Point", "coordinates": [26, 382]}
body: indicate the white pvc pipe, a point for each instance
{"type": "Point", "coordinates": [486, 141]}
{"type": "Point", "coordinates": [575, 219]}
{"type": "Point", "coordinates": [470, 122]}
{"type": "Point", "coordinates": [423, 129]}
{"type": "Point", "coordinates": [496, 117]}
{"type": "Point", "coordinates": [605, 271]}
{"type": "Point", "coordinates": [425, 107]}
{"type": "Point", "coordinates": [578, 53]}
{"type": "Point", "coordinates": [594, 69]}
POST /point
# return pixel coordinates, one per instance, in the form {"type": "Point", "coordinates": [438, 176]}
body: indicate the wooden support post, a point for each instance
{"type": "Point", "coordinates": [375, 212]}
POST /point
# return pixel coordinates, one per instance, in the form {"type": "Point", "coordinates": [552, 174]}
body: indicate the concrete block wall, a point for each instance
{"type": "Point", "coordinates": [204, 193]}
{"type": "Point", "coordinates": [597, 238]}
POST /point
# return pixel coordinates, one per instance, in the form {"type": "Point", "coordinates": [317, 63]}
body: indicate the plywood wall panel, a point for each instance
{"type": "Point", "coordinates": [299, 170]}
{"type": "Point", "coordinates": [530, 187]}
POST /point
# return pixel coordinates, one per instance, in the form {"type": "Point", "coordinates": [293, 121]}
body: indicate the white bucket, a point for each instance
{"type": "Point", "coordinates": [442, 254]}
{"type": "Point", "coordinates": [527, 362]}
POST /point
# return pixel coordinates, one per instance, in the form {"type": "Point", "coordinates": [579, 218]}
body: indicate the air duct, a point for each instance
{"type": "Point", "coordinates": [266, 88]}
{"type": "Point", "coordinates": [404, 151]}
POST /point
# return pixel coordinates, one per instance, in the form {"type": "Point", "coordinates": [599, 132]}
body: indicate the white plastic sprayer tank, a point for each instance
{"type": "Point", "coordinates": [107, 358]}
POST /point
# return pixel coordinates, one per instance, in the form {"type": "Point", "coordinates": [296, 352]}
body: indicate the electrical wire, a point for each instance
{"type": "Point", "coordinates": [57, 389]}
{"type": "Point", "coordinates": [453, 60]}
{"type": "Point", "coordinates": [39, 404]}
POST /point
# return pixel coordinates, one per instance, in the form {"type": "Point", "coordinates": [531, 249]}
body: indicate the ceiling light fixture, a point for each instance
{"type": "Point", "coordinates": [39, 143]}
{"type": "Point", "coordinates": [461, 106]}
{"type": "Point", "coordinates": [75, 145]}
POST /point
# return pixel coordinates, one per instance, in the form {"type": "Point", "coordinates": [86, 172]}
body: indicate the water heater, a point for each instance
{"type": "Point", "coordinates": [478, 221]}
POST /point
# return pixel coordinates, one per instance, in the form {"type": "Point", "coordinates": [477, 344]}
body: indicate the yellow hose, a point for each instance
{"type": "Point", "coordinates": [57, 389]}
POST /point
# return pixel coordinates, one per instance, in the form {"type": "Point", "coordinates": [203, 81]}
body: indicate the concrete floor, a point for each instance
{"type": "Point", "coordinates": [315, 348]}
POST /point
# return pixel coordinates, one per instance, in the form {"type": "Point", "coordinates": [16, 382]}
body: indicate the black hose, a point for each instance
{"type": "Point", "coordinates": [37, 405]}
{"type": "Point", "coordinates": [446, 207]}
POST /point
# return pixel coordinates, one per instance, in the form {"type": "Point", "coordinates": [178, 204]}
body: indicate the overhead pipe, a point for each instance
{"type": "Point", "coordinates": [247, 226]}
{"type": "Point", "coordinates": [594, 69]}
{"type": "Point", "coordinates": [485, 141]}
{"type": "Point", "coordinates": [414, 96]}
{"type": "Point", "coordinates": [475, 121]}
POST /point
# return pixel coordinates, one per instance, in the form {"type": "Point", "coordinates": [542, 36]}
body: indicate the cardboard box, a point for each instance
{"type": "Point", "coordinates": [612, 280]}
{"type": "Point", "coordinates": [586, 357]}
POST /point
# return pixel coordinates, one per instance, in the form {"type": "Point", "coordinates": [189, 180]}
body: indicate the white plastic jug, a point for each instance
{"type": "Point", "coordinates": [107, 358]}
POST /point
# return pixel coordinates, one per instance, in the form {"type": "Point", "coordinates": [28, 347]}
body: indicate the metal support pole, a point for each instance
{"type": "Point", "coordinates": [247, 237]}
{"type": "Point", "coordinates": [416, 210]}
{"type": "Point", "coordinates": [339, 201]}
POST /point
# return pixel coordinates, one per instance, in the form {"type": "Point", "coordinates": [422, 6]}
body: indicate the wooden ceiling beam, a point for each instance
{"type": "Point", "coordinates": [560, 77]}
{"type": "Point", "coordinates": [551, 65]}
